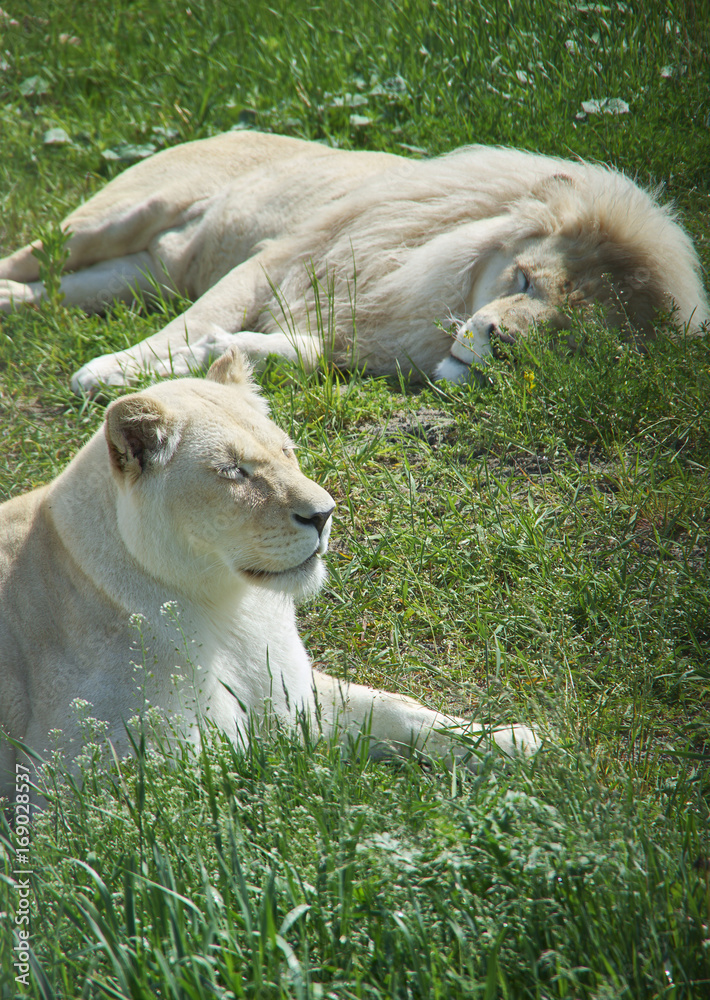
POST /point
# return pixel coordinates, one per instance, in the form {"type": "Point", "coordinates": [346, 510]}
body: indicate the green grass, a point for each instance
{"type": "Point", "coordinates": [289, 872]}
{"type": "Point", "coordinates": [532, 548]}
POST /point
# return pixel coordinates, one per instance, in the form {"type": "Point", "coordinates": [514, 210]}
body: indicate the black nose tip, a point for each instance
{"type": "Point", "coordinates": [318, 520]}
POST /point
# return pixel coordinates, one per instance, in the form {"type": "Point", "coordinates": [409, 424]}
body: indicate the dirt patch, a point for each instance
{"type": "Point", "coordinates": [436, 427]}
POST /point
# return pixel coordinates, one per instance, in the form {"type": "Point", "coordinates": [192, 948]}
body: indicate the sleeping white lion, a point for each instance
{"type": "Point", "coordinates": [295, 248]}
{"type": "Point", "coordinates": [191, 498]}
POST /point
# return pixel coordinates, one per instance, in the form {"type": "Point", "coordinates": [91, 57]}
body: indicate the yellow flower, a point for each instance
{"type": "Point", "coordinates": [530, 380]}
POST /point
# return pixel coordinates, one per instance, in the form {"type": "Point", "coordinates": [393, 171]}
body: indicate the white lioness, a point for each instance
{"type": "Point", "coordinates": [270, 234]}
{"type": "Point", "coordinates": [191, 495]}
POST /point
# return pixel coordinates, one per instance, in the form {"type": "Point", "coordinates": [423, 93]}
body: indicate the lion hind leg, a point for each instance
{"type": "Point", "coordinates": [104, 228]}
{"type": "Point", "coordinates": [21, 266]}
{"type": "Point", "coordinates": [94, 288]}
{"type": "Point", "coordinates": [16, 293]}
{"type": "Point", "coordinates": [121, 279]}
{"type": "Point", "coordinates": [395, 725]}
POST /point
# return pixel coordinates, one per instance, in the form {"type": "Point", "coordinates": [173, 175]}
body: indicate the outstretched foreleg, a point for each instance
{"type": "Point", "coordinates": [395, 725]}
{"type": "Point", "coordinates": [296, 347]}
{"type": "Point", "coordinates": [219, 319]}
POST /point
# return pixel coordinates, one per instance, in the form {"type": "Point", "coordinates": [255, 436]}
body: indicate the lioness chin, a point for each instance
{"type": "Point", "coordinates": [189, 497]}
{"type": "Point", "coordinates": [369, 259]}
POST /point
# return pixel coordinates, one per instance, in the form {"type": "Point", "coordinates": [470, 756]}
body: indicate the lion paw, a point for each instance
{"type": "Point", "coordinates": [110, 369]}
{"type": "Point", "coordinates": [451, 370]}
{"type": "Point", "coordinates": [14, 294]}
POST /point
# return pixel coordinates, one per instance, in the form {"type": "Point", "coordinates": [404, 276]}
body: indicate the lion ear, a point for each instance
{"type": "Point", "coordinates": [232, 368]}
{"type": "Point", "coordinates": [140, 432]}
{"type": "Point", "coordinates": [552, 185]}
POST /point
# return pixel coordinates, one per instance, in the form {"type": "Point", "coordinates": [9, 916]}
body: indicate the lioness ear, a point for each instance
{"type": "Point", "coordinates": [139, 432]}
{"type": "Point", "coordinates": [232, 367]}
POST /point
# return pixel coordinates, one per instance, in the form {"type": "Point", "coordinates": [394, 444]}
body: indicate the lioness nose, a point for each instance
{"type": "Point", "coordinates": [318, 520]}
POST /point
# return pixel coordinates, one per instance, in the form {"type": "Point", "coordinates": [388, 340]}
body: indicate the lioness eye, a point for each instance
{"type": "Point", "coordinates": [233, 472]}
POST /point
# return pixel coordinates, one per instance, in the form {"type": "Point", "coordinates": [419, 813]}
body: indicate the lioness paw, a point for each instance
{"type": "Point", "coordinates": [517, 741]}
{"type": "Point", "coordinates": [471, 743]}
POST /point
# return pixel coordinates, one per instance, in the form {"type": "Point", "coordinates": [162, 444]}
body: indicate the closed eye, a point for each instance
{"type": "Point", "coordinates": [523, 281]}
{"type": "Point", "coordinates": [232, 471]}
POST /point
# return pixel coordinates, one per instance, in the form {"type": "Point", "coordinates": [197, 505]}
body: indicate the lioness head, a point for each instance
{"type": "Point", "coordinates": [210, 495]}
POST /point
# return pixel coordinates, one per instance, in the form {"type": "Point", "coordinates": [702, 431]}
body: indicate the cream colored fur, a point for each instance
{"type": "Point", "coordinates": [266, 232]}
{"type": "Point", "coordinates": [186, 520]}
